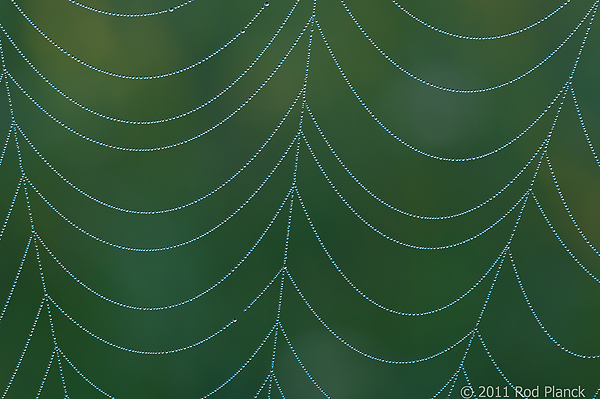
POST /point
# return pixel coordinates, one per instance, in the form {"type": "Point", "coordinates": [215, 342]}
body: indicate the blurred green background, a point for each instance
{"type": "Point", "coordinates": [566, 299]}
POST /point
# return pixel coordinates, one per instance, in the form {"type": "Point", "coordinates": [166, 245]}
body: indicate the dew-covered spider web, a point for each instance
{"type": "Point", "coordinates": [299, 198]}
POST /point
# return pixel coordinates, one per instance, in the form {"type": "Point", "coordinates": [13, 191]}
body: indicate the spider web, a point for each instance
{"type": "Point", "coordinates": [296, 199]}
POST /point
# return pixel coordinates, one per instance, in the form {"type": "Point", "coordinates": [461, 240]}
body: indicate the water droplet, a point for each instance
{"type": "Point", "coordinates": [234, 320]}
{"type": "Point", "coordinates": [243, 31]}
{"type": "Point", "coordinates": [266, 4]}
{"type": "Point", "coordinates": [171, 9]}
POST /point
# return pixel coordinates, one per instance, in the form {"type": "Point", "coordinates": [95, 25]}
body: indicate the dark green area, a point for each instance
{"type": "Point", "coordinates": [565, 298]}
